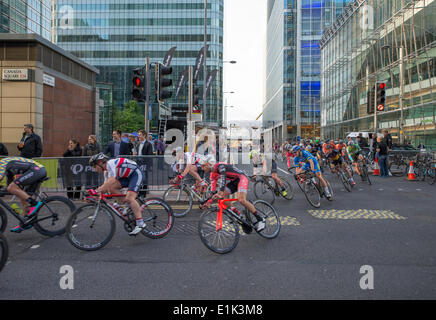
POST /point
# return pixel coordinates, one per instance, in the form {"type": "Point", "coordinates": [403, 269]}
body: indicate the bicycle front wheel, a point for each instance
{"type": "Point", "coordinates": [53, 215]}
{"type": "Point", "coordinates": [344, 180]}
{"type": "Point", "coordinates": [180, 201]}
{"type": "Point", "coordinates": [158, 218]}
{"type": "Point", "coordinates": [263, 192]}
{"type": "Point", "coordinates": [272, 219]}
{"type": "Point", "coordinates": [4, 251]}
{"type": "Point", "coordinates": [289, 189]}
{"type": "Point", "coordinates": [312, 194]}
{"type": "Point", "coordinates": [3, 220]}
{"type": "Point", "coordinates": [398, 169]}
{"type": "Point", "coordinates": [220, 241]}
{"type": "Point", "coordinates": [90, 227]}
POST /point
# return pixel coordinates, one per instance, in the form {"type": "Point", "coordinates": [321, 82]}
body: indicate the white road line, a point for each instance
{"type": "Point", "coordinates": [36, 246]}
{"type": "Point", "coordinates": [283, 171]}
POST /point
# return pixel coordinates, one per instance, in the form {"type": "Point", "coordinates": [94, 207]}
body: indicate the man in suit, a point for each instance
{"type": "Point", "coordinates": [117, 147]}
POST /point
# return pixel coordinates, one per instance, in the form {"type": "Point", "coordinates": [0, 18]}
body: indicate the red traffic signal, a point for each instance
{"type": "Point", "coordinates": [382, 85]}
{"type": "Point", "coordinates": [137, 82]}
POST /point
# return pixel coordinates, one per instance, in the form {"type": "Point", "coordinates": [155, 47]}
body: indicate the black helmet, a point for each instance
{"type": "Point", "coordinates": [97, 157]}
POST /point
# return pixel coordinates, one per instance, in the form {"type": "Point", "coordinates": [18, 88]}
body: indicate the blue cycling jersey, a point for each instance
{"type": "Point", "coordinates": [306, 157]}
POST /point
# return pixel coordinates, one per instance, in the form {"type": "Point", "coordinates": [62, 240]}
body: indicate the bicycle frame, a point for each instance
{"type": "Point", "coordinates": [222, 207]}
{"type": "Point", "coordinates": [102, 200]}
{"type": "Point", "coordinates": [186, 186]}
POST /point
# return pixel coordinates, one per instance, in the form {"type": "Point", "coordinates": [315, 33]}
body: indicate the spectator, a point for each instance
{"type": "Point", "coordinates": [160, 146]}
{"type": "Point", "coordinates": [117, 147]}
{"type": "Point", "coordinates": [144, 147]}
{"type": "Point", "coordinates": [3, 150]}
{"type": "Point", "coordinates": [30, 145]}
{"type": "Point", "coordinates": [92, 147]}
{"type": "Point", "coordinates": [387, 138]}
{"type": "Point", "coordinates": [74, 150]}
{"type": "Point", "coordinates": [382, 150]}
{"type": "Point", "coordinates": [421, 145]}
{"type": "Point", "coordinates": [361, 141]}
{"type": "Point", "coordinates": [150, 139]}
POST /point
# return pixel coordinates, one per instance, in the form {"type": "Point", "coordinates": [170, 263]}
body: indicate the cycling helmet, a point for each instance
{"type": "Point", "coordinates": [350, 143]}
{"type": "Point", "coordinates": [328, 146]}
{"type": "Point", "coordinates": [98, 157]}
{"type": "Point", "coordinates": [309, 148]}
{"type": "Point", "coordinates": [317, 141]}
{"type": "Point", "coordinates": [296, 148]}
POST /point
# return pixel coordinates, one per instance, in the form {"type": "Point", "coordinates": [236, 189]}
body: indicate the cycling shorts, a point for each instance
{"type": "Point", "coordinates": [338, 162]}
{"type": "Point", "coordinates": [273, 166]}
{"type": "Point", "coordinates": [317, 168]}
{"type": "Point", "coordinates": [30, 178]}
{"type": "Point", "coordinates": [238, 185]}
{"type": "Point", "coordinates": [134, 182]}
{"type": "Point", "coordinates": [355, 156]}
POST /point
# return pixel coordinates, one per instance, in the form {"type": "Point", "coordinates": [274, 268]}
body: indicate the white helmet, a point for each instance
{"type": "Point", "coordinates": [209, 159]}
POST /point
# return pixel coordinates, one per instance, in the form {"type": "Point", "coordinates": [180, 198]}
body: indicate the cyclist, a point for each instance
{"type": "Point", "coordinates": [22, 172]}
{"type": "Point", "coordinates": [288, 149]}
{"type": "Point", "coordinates": [354, 155]}
{"type": "Point", "coordinates": [122, 173]}
{"type": "Point", "coordinates": [188, 163]}
{"type": "Point", "coordinates": [221, 173]}
{"type": "Point", "coordinates": [337, 160]}
{"type": "Point", "coordinates": [310, 162]}
{"type": "Point", "coordinates": [258, 159]}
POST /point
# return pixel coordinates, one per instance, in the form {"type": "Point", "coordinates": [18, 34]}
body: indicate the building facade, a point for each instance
{"type": "Point", "coordinates": [292, 102]}
{"type": "Point", "coordinates": [48, 87]}
{"type": "Point", "coordinates": [117, 36]}
{"type": "Point", "coordinates": [389, 41]}
{"type": "Point", "coordinates": [26, 16]}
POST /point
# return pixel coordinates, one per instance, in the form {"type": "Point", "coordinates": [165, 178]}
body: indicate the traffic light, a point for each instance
{"type": "Point", "coordinates": [162, 82]}
{"type": "Point", "coordinates": [381, 96]}
{"type": "Point", "coordinates": [138, 85]}
{"type": "Point", "coordinates": [370, 102]}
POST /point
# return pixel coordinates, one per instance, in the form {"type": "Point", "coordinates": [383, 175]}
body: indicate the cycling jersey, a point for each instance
{"type": "Point", "coordinates": [353, 151]}
{"type": "Point", "coordinates": [29, 171]}
{"type": "Point", "coordinates": [121, 168]}
{"type": "Point", "coordinates": [306, 158]}
{"type": "Point", "coordinates": [223, 172]}
{"type": "Point", "coordinates": [258, 158]}
{"type": "Point", "coordinates": [335, 156]}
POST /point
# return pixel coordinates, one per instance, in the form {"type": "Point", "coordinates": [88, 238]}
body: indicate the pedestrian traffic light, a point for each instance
{"type": "Point", "coordinates": [381, 96]}
{"type": "Point", "coordinates": [162, 82]}
{"type": "Point", "coordinates": [370, 102]}
{"type": "Point", "coordinates": [138, 85]}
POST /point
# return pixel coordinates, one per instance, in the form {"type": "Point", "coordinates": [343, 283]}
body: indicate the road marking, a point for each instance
{"type": "Point", "coordinates": [283, 171]}
{"type": "Point", "coordinates": [36, 246]}
{"type": "Point", "coordinates": [356, 214]}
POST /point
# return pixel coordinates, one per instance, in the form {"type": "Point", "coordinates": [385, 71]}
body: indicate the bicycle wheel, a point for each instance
{"type": "Point", "coordinates": [398, 168]}
{"type": "Point", "coordinates": [289, 189]}
{"type": "Point", "coordinates": [179, 199]}
{"type": "Point", "coordinates": [312, 194]}
{"type": "Point", "coordinates": [344, 180]}
{"type": "Point", "coordinates": [330, 189]}
{"type": "Point", "coordinates": [263, 191]}
{"type": "Point", "coordinates": [431, 175]}
{"type": "Point", "coordinates": [3, 220]}
{"type": "Point", "coordinates": [89, 234]}
{"type": "Point", "coordinates": [52, 216]}
{"type": "Point", "coordinates": [272, 219]}
{"type": "Point", "coordinates": [221, 241]}
{"type": "Point", "coordinates": [365, 175]}
{"type": "Point", "coordinates": [4, 251]}
{"type": "Point", "coordinates": [158, 217]}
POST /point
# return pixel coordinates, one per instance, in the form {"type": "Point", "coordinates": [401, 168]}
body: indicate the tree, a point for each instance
{"type": "Point", "coordinates": [129, 119]}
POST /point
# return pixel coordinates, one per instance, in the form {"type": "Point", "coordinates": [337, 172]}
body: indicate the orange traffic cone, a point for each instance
{"type": "Point", "coordinates": [411, 175]}
{"type": "Point", "coordinates": [377, 168]}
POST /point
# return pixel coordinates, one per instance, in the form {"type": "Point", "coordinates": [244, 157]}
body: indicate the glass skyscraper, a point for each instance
{"type": "Point", "coordinates": [117, 36]}
{"type": "Point", "coordinates": [292, 102]}
{"type": "Point", "coordinates": [26, 16]}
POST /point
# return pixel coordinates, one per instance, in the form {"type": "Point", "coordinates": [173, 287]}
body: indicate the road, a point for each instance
{"type": "Point", "coordinates": [389, 226]}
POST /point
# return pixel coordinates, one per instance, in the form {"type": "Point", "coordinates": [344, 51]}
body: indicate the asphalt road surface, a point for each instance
{"type": "Point", "coordinates": [387, 228]}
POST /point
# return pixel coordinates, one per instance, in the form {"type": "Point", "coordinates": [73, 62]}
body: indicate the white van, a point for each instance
{"type": "Point", "coordinates": [365, 135]}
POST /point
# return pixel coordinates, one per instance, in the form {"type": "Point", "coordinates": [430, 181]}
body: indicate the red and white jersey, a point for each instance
{"type": "Point", "coordinates": [121, 167]}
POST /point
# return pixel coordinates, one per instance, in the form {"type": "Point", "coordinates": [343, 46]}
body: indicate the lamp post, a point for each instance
{"type": "Point", "coordinates": [205, 63]}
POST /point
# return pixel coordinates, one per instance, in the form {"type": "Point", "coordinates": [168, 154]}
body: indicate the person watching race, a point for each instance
{"type": "Point", "coordinates": [20, 173]}
{"type": "Point", "coordinates": [337, 160]}
{"type": "Point", "coordinates": [122, 173]}
{"type": "Point", "coordinates": [354, 155]}
{"type": "Point", "coordinates": [309, 162]}
{"type": "Point", "coordinates": [258, 159]}
{"type": "Point", "coordinates": [230, 180]}
{"type": "Point", "coordinates": [188, 163]}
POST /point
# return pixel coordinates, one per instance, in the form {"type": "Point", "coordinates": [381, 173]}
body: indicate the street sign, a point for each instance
{"type": "Point", "coordinates": [380, 107]}
{"type": "Point", "coordinates": [16, 74]}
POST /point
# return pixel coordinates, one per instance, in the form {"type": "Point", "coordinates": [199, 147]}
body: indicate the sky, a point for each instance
{"type": "Point", "coordinates": [244, 42]}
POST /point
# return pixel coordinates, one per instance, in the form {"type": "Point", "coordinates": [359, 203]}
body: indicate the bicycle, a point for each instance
{"type": "Point", "coordinates": [268, 190]}
{"type": "Point", "coordinates": [312, 189]}
{"type": "Point", "coordinates": [362, 164]}
{"type": "Point", "coordinates": [4, 251]}
{"type": "Point", "coordinates": [219, 227]}
{"type": "Point", "coordinates": [180, 196]}
{"type": "Point", "coordinates": [343, 177]}
{"type": "Point", "coordinates": [47, 213]}
{"type": "Point", "coordinates": [99, 213]}
{"type": "Point", "coordinates": [398, 165]}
